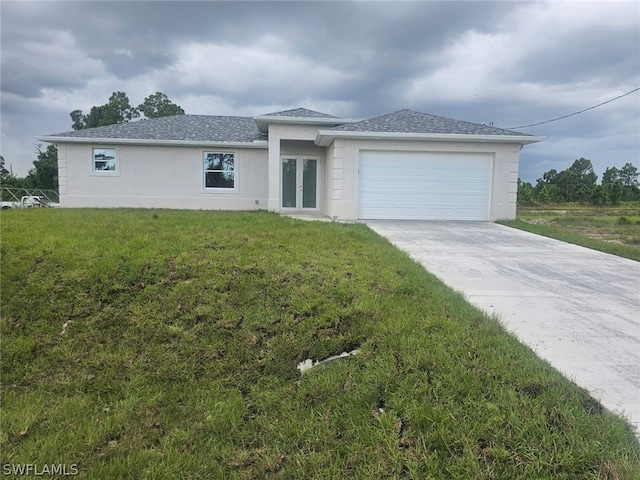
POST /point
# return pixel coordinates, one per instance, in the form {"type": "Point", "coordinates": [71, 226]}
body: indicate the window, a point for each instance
{"type": "Point", "coordinates": [219, 170]}
{"type": "Point", "coordinates": [104, 160]}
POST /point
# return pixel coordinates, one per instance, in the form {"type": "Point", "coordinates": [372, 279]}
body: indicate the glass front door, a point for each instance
{"type": "Point", "coordinates": [300, 183]}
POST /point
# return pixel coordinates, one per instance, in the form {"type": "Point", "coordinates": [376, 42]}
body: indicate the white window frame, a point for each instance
{"type": "Point", "coordinates": [205, 170]}
{"type": "Point", "coordinates": [105, 173]}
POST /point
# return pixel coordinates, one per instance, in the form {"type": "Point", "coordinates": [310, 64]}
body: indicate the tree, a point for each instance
{"type": "Point", "coordinates": [44, 175]}
{"type": "Point", "coordinates": [582, 179]}
{"type": "Point", "coordinates": [625, 178]}
{"type": "Point", "coordinates": [599, 196]}
{"type": "Point", "coordinates": [525, 193]}
{"type": "Point", "coordinates": [544, 195]}
{"type": "Point", "coordinates": [629, 175]}
{"type": "Point", "coordinates": [583, 170]}
{"type": "Point", "coordinates": [547, 178]}
{"type": "Point", "coordinates": [578, 183]}
{"type": "Point", "coordinates": [159, 105]}
{"type": "Point", "coordinates": [8, 179]}
{"type": "Point", "coordinates": [78, 120]}
{"type": "Point", "coordinates": [117, 110]}
{"type": "Point", "coordinates": [4, 173]}
{"type": "Point", "coordinates": [543, 183]}
{"type": "Point", "coordinates": [610, 176]}
{"type": "Point", "coordinates": [573, 184]}
{"type": "Point", "coordinates": [630, 184]}
{"type": "Point", "coordinates": [583, 193]}
{"type": "Point", "coordinates": [568, 183]}
{"type": "Point", "coordinates": [615, 193]}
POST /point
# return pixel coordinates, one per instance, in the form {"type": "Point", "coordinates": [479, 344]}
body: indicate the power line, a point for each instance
{"type": "Point", "coordinates": [576, 113]}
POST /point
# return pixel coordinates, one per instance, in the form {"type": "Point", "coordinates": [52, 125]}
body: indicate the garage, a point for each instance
{"type": "Point", "coordinates": [411, 185]}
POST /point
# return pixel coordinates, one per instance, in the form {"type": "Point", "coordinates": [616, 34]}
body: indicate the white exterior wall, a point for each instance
{"type": "Point", "coordinates": [159, 177]}
{"type": "Point", "coordinates": [345, 154]}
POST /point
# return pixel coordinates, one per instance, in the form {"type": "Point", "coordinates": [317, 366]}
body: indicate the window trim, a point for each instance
{"type": "Point", "coordinates": [204, 172]}
{"type": "Point", "coordinates": [105, 173]}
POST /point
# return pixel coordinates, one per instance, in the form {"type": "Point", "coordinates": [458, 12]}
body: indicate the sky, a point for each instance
{"type": "Point", "coordinates": [511, 63]}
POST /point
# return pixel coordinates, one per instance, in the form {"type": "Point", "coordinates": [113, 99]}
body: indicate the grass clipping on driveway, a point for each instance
{"type": "Point", "coordinates": [164, 344]}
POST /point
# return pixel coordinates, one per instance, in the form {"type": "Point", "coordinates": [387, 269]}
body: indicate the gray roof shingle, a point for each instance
{"type": "Point", "coordinates": [197, 128]}
{"type": "Point", "coordinates": [409, 121]}
{"type": "Point", "coordinates": [216, 128]}
{"type": "Point", "coordinates": [299, 113]}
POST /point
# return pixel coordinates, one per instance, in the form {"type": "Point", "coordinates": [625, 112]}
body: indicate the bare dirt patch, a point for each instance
{"type": "Point", "coordinates": [537, 221]}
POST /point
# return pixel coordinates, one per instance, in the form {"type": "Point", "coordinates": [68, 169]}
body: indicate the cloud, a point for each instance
{"type": "Point", "coordinates": [535, 53]}
{"type": "Point", "coordinates": [267, 68]}
{"type": "Point", "coordinates": [468, 69]}
{"type": "Point", "coordinates": [45, 59]}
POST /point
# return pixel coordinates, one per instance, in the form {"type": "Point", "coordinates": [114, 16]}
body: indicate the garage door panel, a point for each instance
{"type": "Point", "coordinates": [422, 185]}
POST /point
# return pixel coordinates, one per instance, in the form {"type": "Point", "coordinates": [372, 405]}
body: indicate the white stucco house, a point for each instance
{"type": "Point", "coordinates": [402, 165]}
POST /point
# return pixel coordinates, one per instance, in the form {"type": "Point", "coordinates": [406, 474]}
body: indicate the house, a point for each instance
{"type": "Point", "coordinates": [402, 165]}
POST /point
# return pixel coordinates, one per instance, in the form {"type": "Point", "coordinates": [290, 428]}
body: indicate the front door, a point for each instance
{"type": "Point", "coordinates": [299, 183]}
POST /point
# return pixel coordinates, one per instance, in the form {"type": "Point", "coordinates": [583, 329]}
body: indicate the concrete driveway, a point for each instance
{"type": "Point", "coordinates": [577, 308]}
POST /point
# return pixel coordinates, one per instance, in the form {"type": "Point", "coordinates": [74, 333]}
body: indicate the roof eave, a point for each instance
{"type": "Point", "coordinates": [151, 142]}
{"type": "Point", "coordinates": [324, 138]}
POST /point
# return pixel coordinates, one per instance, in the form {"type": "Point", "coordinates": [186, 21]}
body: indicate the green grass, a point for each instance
{"type": "Point", "coordinates": [184, 329]}
{"type": "Point", "coordinates": [610, 230]}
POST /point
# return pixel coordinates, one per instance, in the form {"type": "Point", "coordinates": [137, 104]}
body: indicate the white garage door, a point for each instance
{"type": "Point", "coordinates": [424, 185]}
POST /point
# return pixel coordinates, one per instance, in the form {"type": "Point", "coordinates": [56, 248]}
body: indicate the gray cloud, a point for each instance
{"type": "Point", "coordinates": [608, 54]}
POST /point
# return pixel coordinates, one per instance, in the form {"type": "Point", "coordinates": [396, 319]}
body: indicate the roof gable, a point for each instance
{"type": "Point", "coordinates": [410, 121]}
{"type": "Point", "coordinates": [297, 116]}
{"type": "Point", "coordinates": [299, 113]}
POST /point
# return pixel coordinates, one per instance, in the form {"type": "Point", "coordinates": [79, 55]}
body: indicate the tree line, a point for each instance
{"type": "Point", "coordinates": [578, 183]}
{"type": "Point", "coordinates": [43, 175]}
{"type": "Point", "coordinates": [118, 109]}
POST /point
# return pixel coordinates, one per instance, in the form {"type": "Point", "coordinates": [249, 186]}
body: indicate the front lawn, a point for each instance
{"type": "Point", "coordinates": [164, 344]}
{"type": "Point", "coordinates": [614, 230]}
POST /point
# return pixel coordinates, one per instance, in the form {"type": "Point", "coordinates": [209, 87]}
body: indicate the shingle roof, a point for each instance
{"type": "Point", "coordinates": [204, 128]}
{"type": "Point", "coordinates": [409, 121]}
{"type": "Point", "coordinates": [215, 128]}
{"type": "Point", "coordinates": [299, 113]}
